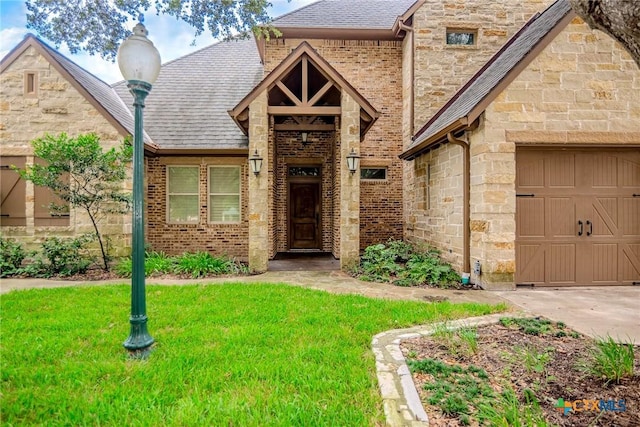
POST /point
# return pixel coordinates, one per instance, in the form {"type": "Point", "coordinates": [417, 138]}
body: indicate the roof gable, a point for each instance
{"type": "Point", "coordinates": [98, 93]}
{"type": "Point", "coordinates": [305, 53]}
{"type": "Point", "coordinates": [473, 98]}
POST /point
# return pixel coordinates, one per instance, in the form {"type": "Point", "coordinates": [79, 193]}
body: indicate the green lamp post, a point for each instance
{"type": "Point", "coordinates": [139, 63]}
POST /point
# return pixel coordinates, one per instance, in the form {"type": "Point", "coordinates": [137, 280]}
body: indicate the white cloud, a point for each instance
{"type": "Point", "coordinates": [9, 38]}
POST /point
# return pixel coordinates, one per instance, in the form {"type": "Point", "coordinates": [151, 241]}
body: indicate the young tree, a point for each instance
{"type": "Point", "coordinates": [99, 26]}
{"type": "Point", "coordinates": [81, 174]}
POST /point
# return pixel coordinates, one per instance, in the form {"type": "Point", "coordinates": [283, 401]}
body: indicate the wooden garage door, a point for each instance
{"type": "Point", "coordinates": [577, 217]}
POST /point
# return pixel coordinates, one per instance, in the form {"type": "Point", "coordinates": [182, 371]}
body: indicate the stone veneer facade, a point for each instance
{"type": "Point", "coordinates": [433, 188]}
{"type": "Point", "coordinates": [582, 90]}
{"type": "Point", "coordinates": [55, 107]}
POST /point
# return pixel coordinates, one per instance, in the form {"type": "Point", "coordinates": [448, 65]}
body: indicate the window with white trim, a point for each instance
{"type": "Point", "coordinates": [183, 189]}
{"type": "Point", "coordinates": [224, 194]}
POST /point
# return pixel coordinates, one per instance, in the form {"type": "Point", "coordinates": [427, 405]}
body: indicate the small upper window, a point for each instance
{"type": "Point", "coordinates": [457, 37]}
{"type": "Point", "coordinates": [373, 173]}
{"type": "Point", "coordinates": [30, 84]}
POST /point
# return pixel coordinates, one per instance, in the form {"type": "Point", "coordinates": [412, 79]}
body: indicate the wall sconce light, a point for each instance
{"type": "Point", "coordinates": [353, 161]}
{"type": "Point", "coordinates": [304, 136]}
{"type": "Point", "coordinates": [256, 163]}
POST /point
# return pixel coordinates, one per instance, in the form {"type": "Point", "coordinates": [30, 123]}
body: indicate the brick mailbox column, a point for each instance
{"type": "Point", "coordinates": [259, 186]}
{"type": "Point", "coordinates": [349, 184]}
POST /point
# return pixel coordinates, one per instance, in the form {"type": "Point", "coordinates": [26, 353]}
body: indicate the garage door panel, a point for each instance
{"type": "Point", "coordinates": [604, 216]}
{"type": "Point", "coordinates": [530, 217]}
{"type": "Point", "coordinates": [531, 172]}
{"type": "Point", "coordinates": [630, 264]}
{"type": "Point", "coordinates": [604, 171]}
{"type": "Point", "coordinates": [631, 217]}
{"type": "Point", "coordinates": [561, 217]}
{"type": "Point", "coordinates": [561, 260]}
{"type": "Point", "coordinates": [604, 262]}
{"type": "Point", "coordinates": [530, 263]}
{"type": "Point", "coordinates": [562, 171]}
{"type": "Point", "coordinates": [629, 171]}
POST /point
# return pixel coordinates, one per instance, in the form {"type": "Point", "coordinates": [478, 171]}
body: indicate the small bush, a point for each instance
{"type": "Point", "coordinates": [11, 256]}
{"type": "Point", "coordinates": [403, 264]}
{"type": "Point", "coordinates": [61, 257]}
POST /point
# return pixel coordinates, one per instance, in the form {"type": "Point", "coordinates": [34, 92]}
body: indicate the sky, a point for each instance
{"type": "Point", "coordinates": [172, 38]}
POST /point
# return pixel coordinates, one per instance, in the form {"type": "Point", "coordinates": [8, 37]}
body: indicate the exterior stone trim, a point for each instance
{"type": "Point", "coordinates": [402, 405]}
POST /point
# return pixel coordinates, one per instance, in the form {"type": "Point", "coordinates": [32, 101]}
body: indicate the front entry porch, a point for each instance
{"type": "Point", "coordinates": [304, 121]}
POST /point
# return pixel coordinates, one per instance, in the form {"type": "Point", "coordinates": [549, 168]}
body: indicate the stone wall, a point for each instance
{"type": "Point", "coordinates": [55, 107]}
{"type": "Point", "coordinates": [175, 239]}
{"type": "Point", "coordinates": [433, 204]}
{"type": "Point", "coordinates": [441, 69]}
{"type": "Point", "coordinates": [374, 69]}
{"type": "Point", "coordinates": [582, 90]}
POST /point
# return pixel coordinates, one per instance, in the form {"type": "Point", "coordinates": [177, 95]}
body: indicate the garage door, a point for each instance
{"type": "Point", "coordinates": [577, 217]}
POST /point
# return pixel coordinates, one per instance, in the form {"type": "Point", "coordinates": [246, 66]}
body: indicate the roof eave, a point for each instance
{"type": "Point", "coordinates": [339, 33]}
{"type": "Point", "coordinates": [435, 139]}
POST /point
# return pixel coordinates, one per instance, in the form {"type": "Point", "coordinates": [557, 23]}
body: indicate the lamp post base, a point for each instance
{"type": "Point", "coordinates": [139, 338]}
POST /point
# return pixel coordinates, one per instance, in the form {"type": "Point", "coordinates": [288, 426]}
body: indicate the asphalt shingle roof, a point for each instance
{"type": "Point", "coordinates": [498, 68]}
{"type": "Point", "coordinates": [188, 104]}
{"type": "Point", "coordinates": [353, 14]}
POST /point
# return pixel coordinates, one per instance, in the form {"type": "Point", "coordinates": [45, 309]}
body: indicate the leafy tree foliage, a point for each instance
{"type": "Point", "coordinates": [99, 26]}
{"type": "Point", "coordinates": [83, 175]}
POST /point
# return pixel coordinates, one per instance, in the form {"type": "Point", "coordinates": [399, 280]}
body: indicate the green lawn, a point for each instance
{"type": "Point", "coordinates": [228, 355]}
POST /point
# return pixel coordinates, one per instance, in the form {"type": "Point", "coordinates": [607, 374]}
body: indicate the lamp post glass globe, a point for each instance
{"type": "Point", "coordinates": [139, 62]}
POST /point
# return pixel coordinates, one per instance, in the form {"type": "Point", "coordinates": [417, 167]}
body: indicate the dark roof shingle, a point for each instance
{"type": "Point", "coordinates": [188, 104]}
{"type": "Point", "coordinates": [353, 14]}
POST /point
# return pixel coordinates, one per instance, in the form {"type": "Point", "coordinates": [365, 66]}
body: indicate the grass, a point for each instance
{"type": "Point", "coordinates": [610, 360]}
{"type": "Point", "coordinates": [233, 354]}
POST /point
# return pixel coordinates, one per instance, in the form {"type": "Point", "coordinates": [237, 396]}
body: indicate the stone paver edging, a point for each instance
{"type": "Point", "coordinates": [402, 405]}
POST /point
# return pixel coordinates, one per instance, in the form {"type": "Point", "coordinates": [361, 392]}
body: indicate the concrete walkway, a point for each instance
{"type": "Point", "coordinates": [332, 281]}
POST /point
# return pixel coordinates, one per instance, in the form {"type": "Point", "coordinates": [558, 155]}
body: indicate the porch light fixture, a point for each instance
{"type": "Point", "coordinates": [139, 63]}
{"type": "Point", "coordinates": [353, 161]}
{"type": "Point", "coordinates": [304, 136]}
{"type": "Point", "coordinates": [256, 163]}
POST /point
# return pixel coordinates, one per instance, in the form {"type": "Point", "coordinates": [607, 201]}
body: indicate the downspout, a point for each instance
{"type": "Point", "coordinates": [409, 29]}
{"type": "Point", "coordinates": [466, 207]}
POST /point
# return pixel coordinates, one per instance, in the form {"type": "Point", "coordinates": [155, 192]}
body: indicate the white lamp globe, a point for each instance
{"type": "Point", "coordinates": [138, 58]}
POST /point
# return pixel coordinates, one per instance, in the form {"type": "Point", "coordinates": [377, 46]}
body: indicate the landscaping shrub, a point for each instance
{"type": "Point", "coordinates": [404, 264]}
{"type": "Point", "coordinates": [61, 257]}
{"type": "Point", "coordinates": [11, 256]}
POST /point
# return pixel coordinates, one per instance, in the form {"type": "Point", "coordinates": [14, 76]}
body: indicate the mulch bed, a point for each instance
{"type": "Point", "coordinates": [498, 345]}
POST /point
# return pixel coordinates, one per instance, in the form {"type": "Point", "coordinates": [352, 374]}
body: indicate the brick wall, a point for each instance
{"type": "Point", "coordinates": [55, 107]}
{"type": "Point", "coordinates": [174, 239]}
{"type": "Point", "coordinates": [374, 68]}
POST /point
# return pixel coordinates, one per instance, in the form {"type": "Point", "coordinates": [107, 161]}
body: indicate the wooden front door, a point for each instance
{"type": "Point", "coordinates": [577, 217]}
{"type": "Point", "coordinates": [304, 215]}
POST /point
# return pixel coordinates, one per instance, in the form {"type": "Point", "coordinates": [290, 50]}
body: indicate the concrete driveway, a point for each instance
{"type": "Point", "coordinates": [594, 311]}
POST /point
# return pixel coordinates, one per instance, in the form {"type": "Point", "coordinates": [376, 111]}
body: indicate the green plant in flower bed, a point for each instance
{"type": "Point", "coordinates": [60, 257]}
{"type": "Point", "coordinates": [609, 360]}
{"type": "Point", "coordinates": [195, 265]}
{"type": "Point", "coordinates": [404, 264]}
{"type": "Point", "coordinates": [11, 256]}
